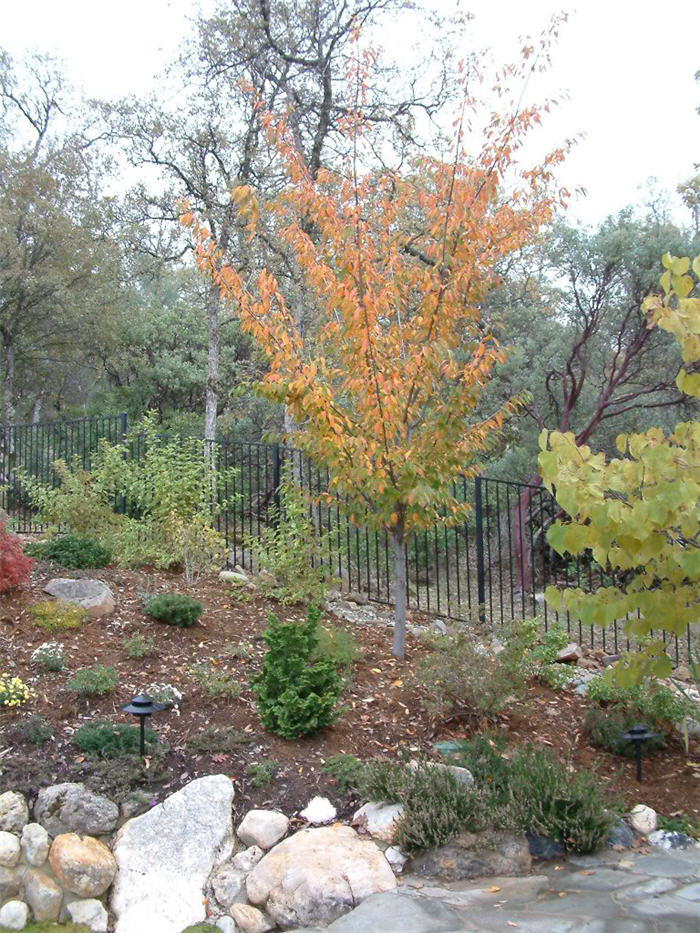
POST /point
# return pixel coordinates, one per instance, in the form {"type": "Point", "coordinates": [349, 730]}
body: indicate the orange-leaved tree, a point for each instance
{"type": "Point", "coordinates": [397, 263]}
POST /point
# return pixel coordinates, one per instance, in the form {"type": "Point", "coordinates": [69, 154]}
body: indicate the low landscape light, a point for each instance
{"type": "Point", "coordinates": [638, 735]}
{"type": "Point", "coordinates": [143, 706]}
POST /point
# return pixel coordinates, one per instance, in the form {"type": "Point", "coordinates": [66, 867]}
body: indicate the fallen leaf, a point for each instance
{"type": "Point", "coordinates": [493, 889]}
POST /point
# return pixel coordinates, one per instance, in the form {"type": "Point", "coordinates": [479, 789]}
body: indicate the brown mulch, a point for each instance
{"type": "Point", "coordinates": [382, 714]}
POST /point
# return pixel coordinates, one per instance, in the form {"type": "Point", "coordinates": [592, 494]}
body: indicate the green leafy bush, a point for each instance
{"type": "Point", "coordinates": [139, 646]}
{"type": "Point", "coordinates": [49, 656]}
{"type": "Point", "coordinates": [295, 694]}
{"type": "Point", "coordinates": [344, 769]}
{"type": "Point", "coordinates": [604, 727]}
{"type": "Point", "coordinates": [261, 772]}
{"type": "Point", "coordinates": [110, 740]}
{"type": "Point", "coordinates": [94, 681]}
{"type": "Point", "coordinates": [58, 614]}
{"type": "Point", "coordinates": [291, 548]}
{"type": "Point", "coordinates": [71, 551]}
{"type": "Point", "coordinates": [34, 730]}
{"type": "Point", "coordinates": [214, 680]}
{"type": "Point", "coordinates": [173, 609]}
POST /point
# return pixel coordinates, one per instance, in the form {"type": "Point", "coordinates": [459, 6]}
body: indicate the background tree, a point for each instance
{"type": "Point", "coordinates": [398, 263]}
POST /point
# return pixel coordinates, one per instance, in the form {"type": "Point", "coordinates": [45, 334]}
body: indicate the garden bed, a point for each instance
{"type": "Point", "coordinates": [382, 713]}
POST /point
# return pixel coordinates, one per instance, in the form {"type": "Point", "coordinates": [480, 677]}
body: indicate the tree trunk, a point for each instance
{"type": "Point", "coordinates": [398, 542]}
{"type": "Point", "coordinates": [521, 545]}
{"type": "Point", "coordinates": [212, 393]}
{"type": "Point", "coordinates": [8, 386]}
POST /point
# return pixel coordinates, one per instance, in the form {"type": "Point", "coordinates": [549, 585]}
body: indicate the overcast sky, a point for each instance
{"type": "Point", "coordinates": [627, 66]}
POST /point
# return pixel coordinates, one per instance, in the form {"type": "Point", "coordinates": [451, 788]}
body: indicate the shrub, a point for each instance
{"type": "Point", "coordinates": [164, 693]}
{"type": "Point", "coordinates": [173, 609]}
{"type": "Point", "coordinates": [291, 548]}
{"type": "Point", "coordinates": [295, 694]}
{"type": "Point", "coordinates": [49, 656]}
{"type": "Point", "coordinates": [94, 681]}
{"type": "Point", "coordinates": [216, 740]}
{"type": "Point", "coordinates": [13, 691]}
{"type": "Point", "coordinates": [337, 646]}
{"type": "Point", "coordinates": [14, 565]}
{"type": "Point", "coordinates": [110, 740]}
{"type": "Point", "coordinates": [139, 646]}
{"type": "Point", "coordinates": [604, 728]}
{"type": "Point", "coordinates": [72, 551]}
{"type": "Point", "coordinates": [261, 772]}
{"type": "Point", "coordinates": [345, 769]}
{"type": "Point", "coordinates": [34, 730]}
{"type": "Point", "coordinates": [215, 681]}
{"type": "Point", "coordinates": [461, 677]}
{"type": "Point", "coordinates": [53, 614]}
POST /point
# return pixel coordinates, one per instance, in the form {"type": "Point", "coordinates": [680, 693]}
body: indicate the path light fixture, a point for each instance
{"type": "Point", "coordinates": [638, 735]}
{"type": "Point", "coordinates": [142, 707]}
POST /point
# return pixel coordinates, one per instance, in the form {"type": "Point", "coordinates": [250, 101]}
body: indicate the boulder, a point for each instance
{"type": "Point", "coordinates": [250, 919]}
{"type": "Point", "coordinates": [621, 835]}
{"type": "Point", "coordinates": [42, 894]}
{"type": "Point", "coordinates": [228, 885]}
{"type": "Point", "coordinates": [9, 849]}
{"type": "Point", "coordinates": [246, 860]}
{"type": "Point", "coordinates": [91, 913]}
{"type": "Point", "coordinates": [83, 865]}
{"type": "Point", "coordinates": [165, 858]}
{"type": "Point", "coordinates": [10, 883]}
{"type": "Point", "coordinates": [475, 855]}
{"type": "Point", "coordinates": [319, 811]}
{"type": "Point", "coordinates": [35, 844]}
{"type": "Point", "coordinates": [387, 913]}
{"type": "Point", "coordinates": [643, 819]}
{"type": "Point", "coordinates": [263, 828]}
{"type": "Point", "coordinates": [233, 578]}
{"type": "Point", "coordinates": [93, 596]}
{"type": "Point", "coordinates": [666, 839]}
{"type": "Point", "coordinates": [14, 915]}
{"type": "Point", "coordinates": [569, 654]}
{"type": "Point", "coordinates": [73, 808]}
{"type": "Point", "coordinates": [379, 820]}
{"type": "Point", "coordinates": [318, 874]}
{"type": "Point", "coordinates": [14, 812]}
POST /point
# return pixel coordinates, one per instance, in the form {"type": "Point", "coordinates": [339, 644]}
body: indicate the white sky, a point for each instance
{"type": "Point", "coordinates": [628, 67]}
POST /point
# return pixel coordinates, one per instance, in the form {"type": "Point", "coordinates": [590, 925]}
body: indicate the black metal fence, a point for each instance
{"type": "Point", "coordinates": [495, 566]}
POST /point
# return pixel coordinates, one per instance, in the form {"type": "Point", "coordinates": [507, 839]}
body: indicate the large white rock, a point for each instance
{"type": "Point", "coordinates": [643, 819]}
{"type": "Point", "coordinates": [263, 828]}
{"type": "Point", "coordinates": [166, 856]}
{"type": "Point", "coordinates": [319, 811]}
{"type": "Point", "coordinates": [14, 915]}
{"type": "Point", "coordinates": [35, 844]}
{"type": "Point", "coordinates": [317, 875]}
{"type": "Point", "coordinates": [379, 820]}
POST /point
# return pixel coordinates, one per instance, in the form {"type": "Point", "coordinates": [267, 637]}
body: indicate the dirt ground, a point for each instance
{"type": "Point", "coordinates": [382, 714]}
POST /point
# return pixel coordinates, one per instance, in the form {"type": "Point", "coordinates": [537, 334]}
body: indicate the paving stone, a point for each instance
{"type": "Point", "coordinates": [578, 904]}
{"type": "Point", "coordinates": [388, 912]}
{"type": "Point", "coordinates": [691, 892]}
{"type": "Point", "coordinates": [666, 866]}
{"type": "Point", "coordinates": [492, 920]}
{"type": "Point", "coordinates": [602, 879]}
{"type": "Point", "coordinates": [629, 925]}
{"type": "Point", "coordinates": [654, 886]}
{"type": "Point", "coordinates": [677, 925]}
{"type": "Point", "coordinates": [665, 906]}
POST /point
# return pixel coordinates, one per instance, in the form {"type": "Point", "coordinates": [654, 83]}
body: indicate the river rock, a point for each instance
{"type": "Point", "coordinates": [91, 913]}
{"type": "Point", "coordinates": [318, 874]}
{"type": "Point", "coordinates": [319, 811]}
{"type": "Point", "coordinates": [379, 820]}
{"type": "Point", "coordinates": [73, 808]}
{"type": "Point", "coordinates": [643, 819]}
{"type": "Point", "coordinates": [42, 894]}
{"type": "Point", "coordinates": [263, 828]}
{"type": "Point", "coordinates": [14, 915]}
{"type": "Point", "coordinates": [14, 812]}
{"type": "Point", "coordinates": [250, 919]}
{"type": "Point", "coordinates": [475, 855]}
{"type": "Point", "coordinates": [9, 849]}
{"type": "Point", "coordinates": [35, 844]}
{"type": "Point", "coordinates": [10, 883]}
{"type": "Point", "coordinates": [247, 859]}
{"type": "Point", "coordinates": [396, 858]}
{"type": "Point", "coordinates": [228, 885]}
{"type": "Point", "coordinates": [94, 596]}
{"type": "Point", "coordinates": [165, 858]}
{"type": "Point", "coordinates": [666, 839]}
{"type": "Point", "coordinates": [83, 865]}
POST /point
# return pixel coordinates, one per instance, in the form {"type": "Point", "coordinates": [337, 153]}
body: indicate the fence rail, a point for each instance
{"type": "Point", "coordinates": [495, 565]}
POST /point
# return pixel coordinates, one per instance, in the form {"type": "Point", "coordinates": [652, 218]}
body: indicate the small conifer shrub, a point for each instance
{"type": "Point", "coordinates": [173, 609]}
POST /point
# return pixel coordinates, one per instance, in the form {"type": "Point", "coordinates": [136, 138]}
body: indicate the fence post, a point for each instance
{"type": "Point", "coordinates": [480, 567]}
{"type": "Point", "coordinates": [276, 479]}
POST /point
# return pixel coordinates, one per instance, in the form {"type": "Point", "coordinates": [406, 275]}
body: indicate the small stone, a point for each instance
{"type": "Point", "coordinates": [73, 808]}
{"type": "Point", "coordinates": [247, 859]}
{"type": "Point", "coordinates": [250, 919]}
{"type": "Point", "coordinates": [92, 913]}
{"type": "Point", "coordinates": [263, 828]}
{"type": "Point", "coordinates": [643, 819]}
{"type": "Point", "coordinates": [94, 596]}
{"type": "Point", "coordinates": [228, 884]}
{"type": "Point", "coordinates": [42, 894]}
{"type": "Point", "coordinates": [379, 820]}
{"type": "Point", "coordinates": [319, 811]}
{"type": "Point", "coordinates": [571, 653]}
{"type": "Point", "coordinates": [225, 924]}
{"type": "Point", "coordinates": [9, 849]}
{"type": "Point", "coordinates": [83, 865]}
{"type": "Point", "coordinates": [14, 812]}
{"type": "Point", "coordinates": [14, 915]}
{"type": "Point", "coordinates": [438, 627]}
{"type": "Point", "coordinates": [396, 858]}
{"type": "Point", "coordinates": [35, 844]}
{"type": "Point", "coordinates": [610, 659]}
{"type": "Point", "coordinates": [621, 835]}
{"type": "Point", "coordinates": [663, 839]}
{"type": "Point", "coordinates": [135, 803]}
{"type": "Point", "coordinates": [543, 847]}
